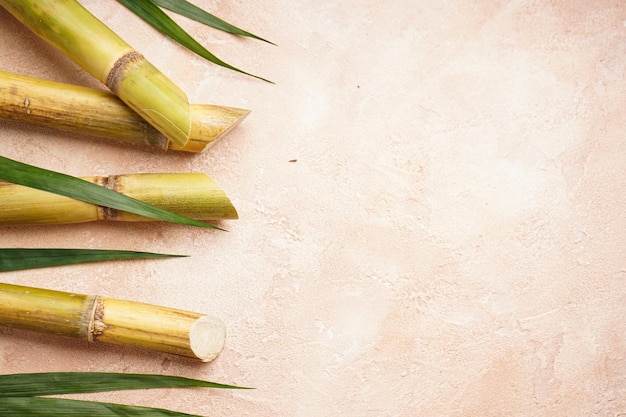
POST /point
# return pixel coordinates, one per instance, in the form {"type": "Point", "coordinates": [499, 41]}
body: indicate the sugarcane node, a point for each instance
{"type": "Point", "coordinates": [112, 183]}
{"type": "Point", "coordinates": [97, 326]}
{"type": "Point", "coordinates": [116, 75]}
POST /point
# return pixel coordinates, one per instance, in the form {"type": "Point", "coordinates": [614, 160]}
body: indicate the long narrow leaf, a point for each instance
{"type": "Point", "coordinates": [79, 189]}
{"type": "Point", "coordinates": [184, 8]}
{"type": "Point", "coordinates": [15, 259]}
{"type": "Point", "coordinates": [157, 18]}
{"type": "Point", "coordinates": [53, 383]}
{"type": "Point", "coordinates": [53, 407]}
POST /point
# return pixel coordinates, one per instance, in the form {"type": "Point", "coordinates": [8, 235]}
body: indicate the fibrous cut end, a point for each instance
{"type": "Point", "coordinates": [207, 337]}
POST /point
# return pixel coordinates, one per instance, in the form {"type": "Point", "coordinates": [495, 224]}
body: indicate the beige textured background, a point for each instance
{"type": "Point", "coordinates": [450, 241]}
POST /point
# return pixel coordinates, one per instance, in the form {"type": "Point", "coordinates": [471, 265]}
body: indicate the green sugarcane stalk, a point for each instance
{"type": "Point", "coordinates": [77, 33]}
{"type": "Point", "coordinates": [101, 319]}
{"type": "Point", "coordinates": [93, 112]}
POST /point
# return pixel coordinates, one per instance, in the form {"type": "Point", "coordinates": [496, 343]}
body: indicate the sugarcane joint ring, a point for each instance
{"type": "Point", "coordinates": [116, 74]}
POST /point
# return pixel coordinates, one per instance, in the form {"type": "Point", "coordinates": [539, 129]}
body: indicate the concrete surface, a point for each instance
{"type": "Point", "coordinates": [432, 210]}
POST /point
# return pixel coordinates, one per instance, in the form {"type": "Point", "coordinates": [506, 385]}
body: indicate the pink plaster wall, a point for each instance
{"type": "Point", "coordinates": [450, 241]}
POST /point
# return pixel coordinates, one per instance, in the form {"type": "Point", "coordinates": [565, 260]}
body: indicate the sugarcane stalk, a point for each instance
{"type": "Point", "coordinates": [100, 113]}
{"type": "Point", "coordinates": [193, 195]}
{"type": "Point", "coordinates": [96, 318]}
{"type": "Point", "coordinates": [77, 33]}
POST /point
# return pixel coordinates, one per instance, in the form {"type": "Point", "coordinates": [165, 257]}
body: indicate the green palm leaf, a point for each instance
{"type": "Point", "coordinates": [157, 18]}
{"type": "Point", "coordinates": [54, 383]}
{"type": "Point", "coordinates": [15, 259]}
{"type": "Point", "coordinates": [53, 407]}
{"type": "Point", "coordinates": [79, 189]}
{"type": "Point", "coordinates": [184, 8]}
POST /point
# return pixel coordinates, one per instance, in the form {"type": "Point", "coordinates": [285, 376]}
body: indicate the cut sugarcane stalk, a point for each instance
{"type": "Point", "coordinates": [193, 195]}
{"type": "Point", "coordinates": [100, 319]}
{"type": "Point", "coordinates": [71, 28]}
{"type": "Point", "coordinates": [100, 113]}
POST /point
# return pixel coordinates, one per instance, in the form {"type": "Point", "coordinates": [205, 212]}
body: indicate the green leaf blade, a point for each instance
{"type": "Point", "coordinates": [16, 259]}
{"type": "Point", "coordinates": [158, 19]}
{"type": "Point", "coordinates": [187, 9]}
{"type": "Point", "coordinates": [57, 407]}
{"type": "Point", "coordinates": [55, 383]}
{"type": "Point", "coordinates": [79, 189]}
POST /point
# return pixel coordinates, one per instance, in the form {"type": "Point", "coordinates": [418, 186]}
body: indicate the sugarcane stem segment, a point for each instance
{"type": "Point", "coordinates": [193, 195]}
{"type": "Point", "coordinates": [100, 113]}
{"type": "Point", "coordinates": [109, 320]}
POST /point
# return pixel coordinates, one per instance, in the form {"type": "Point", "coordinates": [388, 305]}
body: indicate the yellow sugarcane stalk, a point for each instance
{"type": "Point", "coordinates": [100, 319]}
{"type": "Point", "coordinates": [193, 195]}
{"type": "Point", "coordinates": [72, 29]}
{"type": "Point", "coordinates": [100, 113]}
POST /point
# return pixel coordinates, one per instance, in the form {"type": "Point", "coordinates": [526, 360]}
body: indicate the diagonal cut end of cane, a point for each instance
{"type": "Point", "coordinates": [209, 124]}
{"type": "Point", "coordinates": [207, 337]}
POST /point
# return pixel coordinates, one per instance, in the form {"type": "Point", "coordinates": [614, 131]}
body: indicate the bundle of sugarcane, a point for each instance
{"type": "Point", "coordinates": [101, 319]}
{"type": "Point", "coordinates": [91, 44]}
{"type": "Point", "coordinates": [100, 113]}
{"type": "Point", "coordinates": [144, 107]}
{"type": "Point", "coordinates": [193, 195]}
